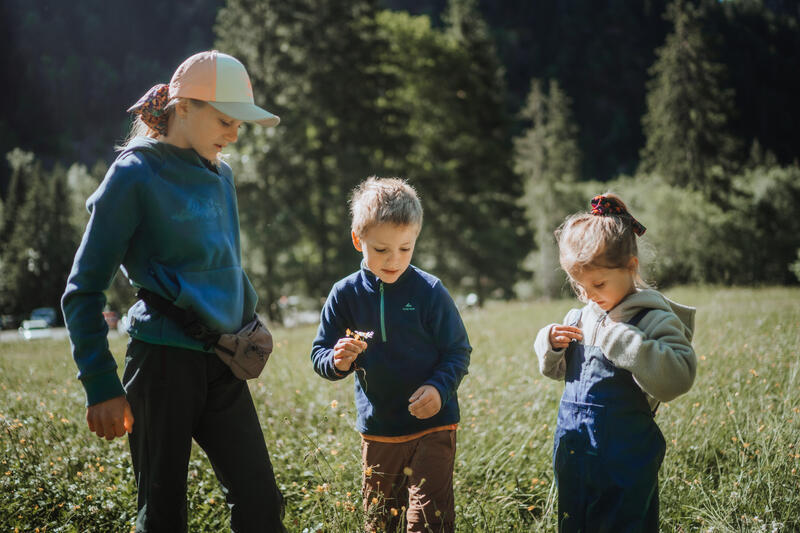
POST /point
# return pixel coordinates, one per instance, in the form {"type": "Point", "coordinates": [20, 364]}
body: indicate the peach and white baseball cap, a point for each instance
{"type": "Point", "coordinates": [221, 81]}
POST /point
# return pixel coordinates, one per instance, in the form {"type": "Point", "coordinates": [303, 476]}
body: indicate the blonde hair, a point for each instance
{"type": "Point", "coordinates": [384, 200]}
{"type": "Point", "coordinates": [587, 241]}
{"type": "Point", "coordinates": [140, 129]}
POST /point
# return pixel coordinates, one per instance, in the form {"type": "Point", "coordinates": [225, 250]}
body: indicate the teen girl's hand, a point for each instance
{"type": "Point", "coordinates": [346, 351]}
{"type": "Point", "coordinates": [561, 336]}
{"type": "Point", "coordinates": [111, 418]}
{"type": "Point", "coordinates": [425, 402]}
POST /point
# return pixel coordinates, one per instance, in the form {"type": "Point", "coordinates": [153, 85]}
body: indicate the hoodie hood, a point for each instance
{"type": "Point", "coordinates": [645, 299]}
{"type": "Point", "coordinates": [163, 150]}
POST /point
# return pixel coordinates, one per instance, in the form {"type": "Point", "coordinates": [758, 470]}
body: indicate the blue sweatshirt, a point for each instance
{"type": "Point", "coordinates": [419, 340]}
{"type": "Point", "coordinates": [173, 225]}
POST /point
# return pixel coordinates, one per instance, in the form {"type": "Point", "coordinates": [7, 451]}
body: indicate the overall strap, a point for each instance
{"type": "Point", "coordinates": [638, 317]}
{"type": "Point", "coordinates": [635, 322]}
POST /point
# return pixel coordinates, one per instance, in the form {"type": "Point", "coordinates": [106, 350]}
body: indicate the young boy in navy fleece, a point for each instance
{"type": "Point", "coordinates": [407, 370]}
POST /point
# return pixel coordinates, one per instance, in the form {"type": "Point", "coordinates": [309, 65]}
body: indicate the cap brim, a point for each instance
{"type": "Point", "coordinates": [247, 113]}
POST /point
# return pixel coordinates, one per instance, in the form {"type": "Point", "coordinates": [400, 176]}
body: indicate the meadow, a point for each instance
{"type": "Point", "coordinates": [733, 442]}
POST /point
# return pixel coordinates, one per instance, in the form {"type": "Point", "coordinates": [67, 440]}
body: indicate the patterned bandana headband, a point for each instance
{"type": "Point", "coordinates": [150, 108]}
{"type": "Point", "coordinates": [605, 206]}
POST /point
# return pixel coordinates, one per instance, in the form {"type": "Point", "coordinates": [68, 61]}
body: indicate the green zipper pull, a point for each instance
{"type": "Point", "coordinates": [383, 323]}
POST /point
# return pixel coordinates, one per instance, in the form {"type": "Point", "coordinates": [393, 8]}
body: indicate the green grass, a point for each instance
{"type": "Point", "coordinates": [733, 442]}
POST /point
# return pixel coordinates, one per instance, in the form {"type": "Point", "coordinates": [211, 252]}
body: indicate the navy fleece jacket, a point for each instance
{"type": "Point", "coordinates": [419, 340]}
{"type": "Point", "coordinates": [173, 225]}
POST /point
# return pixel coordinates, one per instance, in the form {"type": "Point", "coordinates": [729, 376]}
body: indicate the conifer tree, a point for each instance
{"type": "Point", "coordinates": [314, 63]}
{"type": "Point", "coordinates": [21, 164]}
{"type": "Point", "coordinates": [458, 148]}
{"type": "Point", "coordinates": [547, 157]}
{"type": "Point", "coordinates": [58, 245]}
{"type": "Point", "coordinates": [24, 172]}
{"type": "Point", "coordinates": [355, 99]}
{"type": "Point", "coordinates": [38, 254]}
{"type": "Point", "coordinates": [21, 257]}
{"type": "Point", "coordinates": [688, 111]}
{"type": "Point", "coordinates": [480, 220]}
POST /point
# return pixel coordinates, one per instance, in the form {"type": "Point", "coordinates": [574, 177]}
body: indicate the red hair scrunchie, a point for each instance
{"type": "Point", "coordinates": [605, 206]}
{"type": "Point", "coordinates": [150, 108]}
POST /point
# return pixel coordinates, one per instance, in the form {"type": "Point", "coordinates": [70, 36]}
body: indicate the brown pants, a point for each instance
{"type": "Point", "coordinates": [414, 479]}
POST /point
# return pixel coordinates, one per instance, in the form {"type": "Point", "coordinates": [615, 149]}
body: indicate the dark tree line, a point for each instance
{"type": "Point", "coordinates": [71, 68]}
{"type": "Point", "coordinates": [600, 53]}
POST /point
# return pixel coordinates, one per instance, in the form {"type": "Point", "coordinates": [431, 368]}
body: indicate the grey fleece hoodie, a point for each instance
{"type": "Point", "coordinates": [658, 352]}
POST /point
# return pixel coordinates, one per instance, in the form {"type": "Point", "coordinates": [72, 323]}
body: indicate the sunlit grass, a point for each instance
{"type": "Point", "coordinates": [733, 442]}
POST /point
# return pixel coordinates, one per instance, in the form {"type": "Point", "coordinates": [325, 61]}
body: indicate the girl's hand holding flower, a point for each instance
{"type": "Point", "coordinates": [561, 336]}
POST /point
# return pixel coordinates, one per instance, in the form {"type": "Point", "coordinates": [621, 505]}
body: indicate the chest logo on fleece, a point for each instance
{"type": "Point", "coordinates": [409, 307]}
{"type": "Point", "coordinates": [197, 208]}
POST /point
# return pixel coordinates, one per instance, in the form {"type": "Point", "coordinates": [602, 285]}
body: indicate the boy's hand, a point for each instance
{"type": "Point", "coordinates": [111, 418]}
{"type": "Point", "coordinates": [561, 336]}
{"type": "Point", "coordinates": [425, 402]}
{"type": "Point", "coordinates": [346, 351]}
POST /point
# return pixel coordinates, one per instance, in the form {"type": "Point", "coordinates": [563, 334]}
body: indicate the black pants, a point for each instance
{"type": "Point", "coordinates": [176, 395]}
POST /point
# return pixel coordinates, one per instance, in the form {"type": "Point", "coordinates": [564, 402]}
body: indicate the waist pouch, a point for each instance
{"type": "Point", "coordinates": [245, 352]}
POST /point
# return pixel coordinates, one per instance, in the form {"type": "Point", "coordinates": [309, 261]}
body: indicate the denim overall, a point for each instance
{"type": "Point", "coordinates": [607, 449]}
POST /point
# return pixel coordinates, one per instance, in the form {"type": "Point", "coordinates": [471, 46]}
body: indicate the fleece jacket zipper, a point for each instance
{"type": "Point", "coordinates": [383, 323]}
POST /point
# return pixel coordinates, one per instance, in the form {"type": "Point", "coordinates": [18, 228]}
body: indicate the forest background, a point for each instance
{"type": "Point", "coordinates": [505, 116]}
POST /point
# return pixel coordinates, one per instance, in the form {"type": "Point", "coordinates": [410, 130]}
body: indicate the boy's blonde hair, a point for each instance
{"type": "Point", "coordinates": [587, 241]}
{"type": "Point", "coordinates": [384, 200]}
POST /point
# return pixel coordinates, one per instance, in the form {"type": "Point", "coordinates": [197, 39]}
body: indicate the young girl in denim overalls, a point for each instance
{"type": "Point", "coordinates": [625, 351]}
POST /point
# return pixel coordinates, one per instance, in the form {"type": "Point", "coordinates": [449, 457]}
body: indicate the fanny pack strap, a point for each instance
{"type": "Point", "coordinates": [186, 319]}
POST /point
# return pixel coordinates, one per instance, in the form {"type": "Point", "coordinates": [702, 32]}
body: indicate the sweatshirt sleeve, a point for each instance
{"type": "Point", "coordinates": [551, 361]}
{"type": "Point", "coordinates": [114, 216]}
{"type": "Point", "coordinates": [452, 343]}
{"type": "Point", "coordinates": [662, 361]}
{"type": "Point", "coordinates": [331, 329]}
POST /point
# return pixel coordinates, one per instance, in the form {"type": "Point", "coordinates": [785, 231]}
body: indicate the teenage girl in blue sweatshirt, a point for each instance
{"type": "Point", "coordinates": [167, 213]}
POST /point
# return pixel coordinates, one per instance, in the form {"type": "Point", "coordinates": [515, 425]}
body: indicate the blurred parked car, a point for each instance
{"type": "Point", "coordinates": [470, 301]}
{"type": "Point", "coordinates": [48, 314]}
{"type": "Point", "coordinates": [298, 310]}
{"type": "Point", "coordinates": [35, 329]}
{"type": "Point", "coordinates": [112, 319]}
